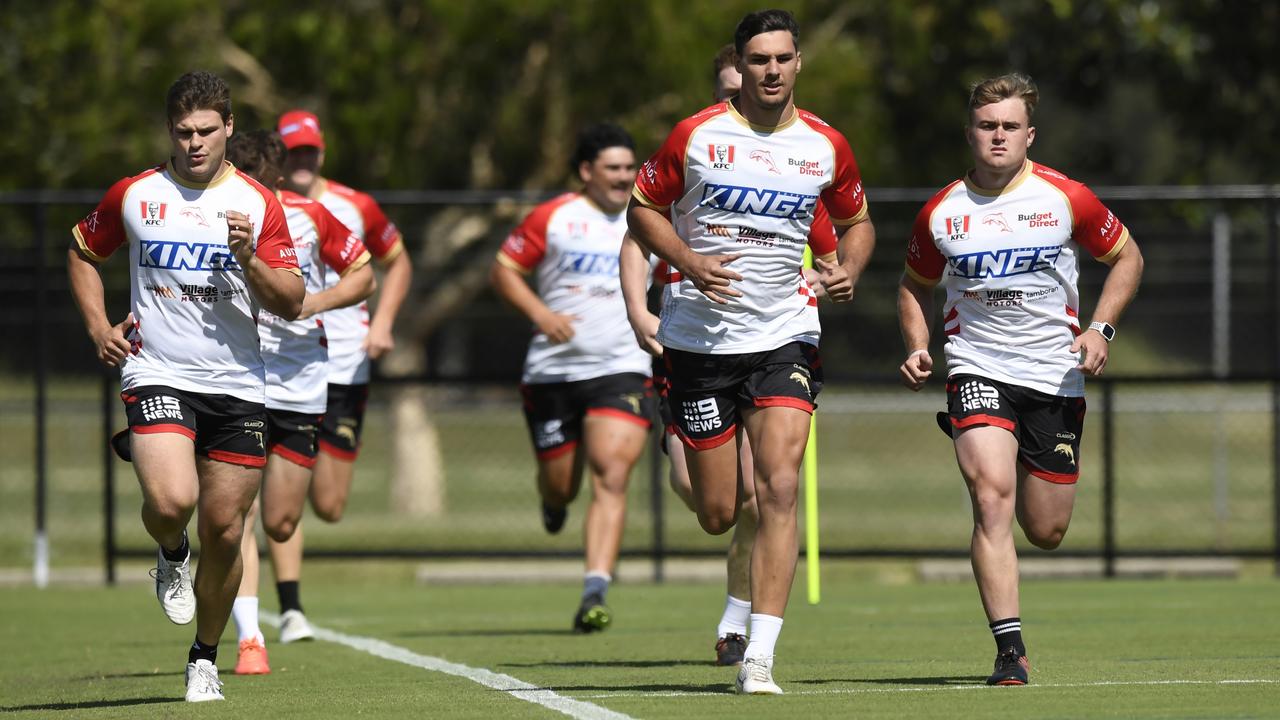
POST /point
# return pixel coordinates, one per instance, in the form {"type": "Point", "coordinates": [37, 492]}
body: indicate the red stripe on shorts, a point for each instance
{"type": "Point", "coordinates": [975, 420]}
{"type": "Point", "coordinates": [784, 401]}
{"type": "Point", "coordinates": [556, 451]}
{"type": "Point", "coordinates": [708, 443]}
{"type": "Point", "coordinates": [620, 415]}
{"type": "Point", "coordinates": [335, 451]}
{"type": "Point", "coordinates": [165, 428]}
{"type": "Point", "coordinates": [253, 461]}
{"type": "Point", "coordinates": [293, 456]}
{"type": "Point", "coordinates": [1053, 477]}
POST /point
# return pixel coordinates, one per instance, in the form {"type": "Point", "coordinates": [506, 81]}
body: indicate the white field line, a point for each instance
{"type": "Point", "coordinates": [944, 688]}
{"type": "Point", "coordinates": [513, 686]}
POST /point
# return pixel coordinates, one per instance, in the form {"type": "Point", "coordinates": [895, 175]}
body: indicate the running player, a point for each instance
{"type": "Point", "coordinates": [731, 631]}
{"type": "Point", "coordinates": [587, 394]}
{"type": "Point", "coordinates": [742, 181]}
{"type": "Point", "coordinates": [296, 358]}
{"type": "Point", "coordinates": [1005, 240]}
{"type": "Point", "coordinates": [208, 247]}
{"type": "Point", "coordinates": [354, 340]}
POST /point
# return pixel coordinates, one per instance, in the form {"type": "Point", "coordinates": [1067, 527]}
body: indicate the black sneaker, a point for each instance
{"type": "Point", "coordinates": [593, 615]}
{"type": "Point", "coordinates": [120, 444]}
{"type": "Point", "coordinates": [1011, 668]}
{"type": "Point", "coordinates": [730, 649]}
{"type": "Point", "coordinates": [553, 518]}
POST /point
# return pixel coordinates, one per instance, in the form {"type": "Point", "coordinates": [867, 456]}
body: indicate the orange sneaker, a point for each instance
{"type": "Point", "coordinates": [253, 658]}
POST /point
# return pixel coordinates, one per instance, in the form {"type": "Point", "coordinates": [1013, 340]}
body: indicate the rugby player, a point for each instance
{"type": "Point", "coordinates": [208, 247]}
{"type": "Point", "coordinates": [1005, 241]}
{"type": "Point", "coordinates": [354, 340]}
{"type": "Point", "coordinates": [588, 397]}
{"type": "Point", "coordinates": [296, 357]}
{"type": "Point", "coordinates": [742, 181]}
{"type": "Point", "coordinates": [731, 630]}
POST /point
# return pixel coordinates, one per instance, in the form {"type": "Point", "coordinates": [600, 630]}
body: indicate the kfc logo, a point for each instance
{"type": "Point", "coordinates": [721, 156]}
{"type": "Point", "coordinates": [957, 228]}
{"type": "Point", "coordinates": [153, 213]}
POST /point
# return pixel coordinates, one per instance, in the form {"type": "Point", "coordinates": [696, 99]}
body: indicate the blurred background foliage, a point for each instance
{"type": "Point", "coordinates": [486, 94]}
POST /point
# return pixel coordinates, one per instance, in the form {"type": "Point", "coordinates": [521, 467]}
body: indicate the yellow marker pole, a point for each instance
{"type": "Point", "coordinates": [810, 467]}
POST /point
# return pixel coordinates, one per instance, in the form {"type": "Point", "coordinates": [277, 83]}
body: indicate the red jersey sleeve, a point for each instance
{"type": "Point", "coordinates": [275, 245]}
{"type": "Point", "coordinates": [102, 231]}
{"type": "Point", "coordinates": [381, 236]}
{"type": "Point", "coordinates": [844, 197]}
{"type": "Point", "coordinates": [822, 234]}
{"type": "Point", "coordinates": [525, 247]}
{"type": "Point", "coordinates": [340, 248]}
{"type": "Point", "coordinates": [1095, 228]}
{"type": "Point", "coordinates": [924, 262]}
{"type": "Point", "coordinates": [660, 181]}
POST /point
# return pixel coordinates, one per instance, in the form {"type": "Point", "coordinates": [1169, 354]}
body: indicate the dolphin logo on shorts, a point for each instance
{"type": "Point", "coordinates": [800, 378]}
{"type": "Point", "coordinates": [1065, 449]}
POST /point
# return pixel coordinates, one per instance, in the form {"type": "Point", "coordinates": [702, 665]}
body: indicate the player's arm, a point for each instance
{"type": "Point", "coordinates": [856, 243]}
{"type": "Point", "coordinates": [278, 289]}
{"type": "Point", "coordinates": [707, 272]}
{"type": "Point", "coordinates": [633, 272]}
{"type": "Point", "coordinates": [86, 287]}
{"type": "Point", "coordinates": [510, 285]}
{"type": "Point", "coordinates": [397, 278]}
{"type": "Point", "coordinates": [354, 285]}
{"type": "Point", "coordinates": [915, 306]}
{"type": "Point", "coordinates": [1118, 291]}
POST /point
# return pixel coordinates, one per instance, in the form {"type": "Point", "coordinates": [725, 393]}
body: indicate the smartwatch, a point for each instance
{"type": "Point", "coordinates": [1106, 330]}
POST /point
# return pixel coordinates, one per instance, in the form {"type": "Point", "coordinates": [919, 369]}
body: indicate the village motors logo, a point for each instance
{"type": "Point", "coordinates": [153, 213]}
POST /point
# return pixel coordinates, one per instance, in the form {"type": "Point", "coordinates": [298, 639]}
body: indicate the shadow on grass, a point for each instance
{"type": "Point", "coordinates": [946, 680]}
{"type": "Point", "coordinates": [90, 704]}
{"type": "Point", "coordinates": [120, 676]}
{"type": "Point", "coordinates": [485, 632]}
{"type": "Point", "coordinates": [612, 664]}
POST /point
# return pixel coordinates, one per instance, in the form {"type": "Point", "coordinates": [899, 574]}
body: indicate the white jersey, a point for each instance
{"type": "Point", "coordinates": [751, 191]}
{"type": "Point", "coordinates": [348, 327]}
{"type": "Point", "coordinates": [1010, 262]}
{"type": "Point", "coordinates": [296, 352]}
{"type": "Point", "coordinates": [195, 326]}
{"type": "Point", "coordinates": [572, 246]}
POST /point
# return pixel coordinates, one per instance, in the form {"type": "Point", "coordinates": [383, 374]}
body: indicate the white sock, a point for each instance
{"type": "Point", "coordinates": [764, 635]}
{"type": "Point", "coordinates": [734, 619]}
{"type": "Point", "coordinates": [245, 612]}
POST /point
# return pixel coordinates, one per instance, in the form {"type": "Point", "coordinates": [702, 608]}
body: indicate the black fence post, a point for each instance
{"type": "Point", "coordinates": [656, 466]}
{"type": "Point", "coordinates": [1273, 279]}
{"type": "Point", "coordinates": [40, 565]}
{"type": "Point", "coordinates": [1108, 480]}
{"type": "Point", "coordinates": [108, 480]}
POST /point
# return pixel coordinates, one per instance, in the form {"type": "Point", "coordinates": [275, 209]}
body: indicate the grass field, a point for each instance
{"type": "Point", "coordinates": [879, 646]}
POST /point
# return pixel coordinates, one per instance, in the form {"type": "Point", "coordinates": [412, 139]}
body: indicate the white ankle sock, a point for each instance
{"type": "Point", "coordinates": [764, 635]}
{"type": "Point", "coordinates": [734, 619]}
{"type": "Point", "coordinates": [245, 612]}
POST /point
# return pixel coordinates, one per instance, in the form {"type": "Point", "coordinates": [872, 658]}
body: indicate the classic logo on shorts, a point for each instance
{"type": "Point", "coordinates": [721, 156]}
{"type": "Point", "coordinates": [161, 407]}
{"type": "Point", "coordinates": [978, 396]}
{"type": "Point", "coordinates": [549, 434]}
{"type": "Point", "coordinates": [1065, 449]}
{"type": "Point", "coordinates": [702, 415]}
{"type": "Point", "coordinates": [153, 213]}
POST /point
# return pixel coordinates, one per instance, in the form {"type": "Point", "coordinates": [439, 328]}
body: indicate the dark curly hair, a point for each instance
{"type": "Point", "coordinates": [595, 138]}
{"type": "Point", "coordinates": [260, 153]}
{"type": "Point", "coordinates": [200, 90]}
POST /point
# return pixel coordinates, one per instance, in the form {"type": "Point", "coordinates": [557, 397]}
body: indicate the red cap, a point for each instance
{"type": "Point", "coordinates": [300, 128]}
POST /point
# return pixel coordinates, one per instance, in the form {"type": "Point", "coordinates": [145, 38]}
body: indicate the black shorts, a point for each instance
{"type": "Point", "coordinates": [554, 411]}
{"type": "Point", "coordinates": [709, 391]}
{"type": "Point", "coordinates": [662, 386]}
{"type": "Point", "coordinates": [293, 435]}
{"type": "Point", "coordinates": [1048, 427]}
{"type": "Point", "coordinates": [343, 420]}
{"type": "Point", "coordinates": [223, 427]}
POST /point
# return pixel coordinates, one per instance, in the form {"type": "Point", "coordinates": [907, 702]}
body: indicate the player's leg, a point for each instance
{"type": "Point", "coordinates": [678, 471]}
{"type": "Point", "coordinates": [339, 444]}
{"type": "Point", "coordinates": [1049, 452]}
{"type": "Point", "coordinates": [252, 656]}
{"type": "Point", "coordinates": [293, 454]}
{"type": "Point", "coordinates": [731, 631]}
{"type": "Point", "coordinates": [555, 428]}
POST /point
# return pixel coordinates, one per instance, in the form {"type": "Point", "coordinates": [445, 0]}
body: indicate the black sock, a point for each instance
{"type": "Point", "coordinates": [177, 555]}
{"type": "Point", "coordinates": [288, 594]}
{"type": "Point", "coordinates": [1008, 633]}
{"type": "Point", "coordinates": [200, 651]}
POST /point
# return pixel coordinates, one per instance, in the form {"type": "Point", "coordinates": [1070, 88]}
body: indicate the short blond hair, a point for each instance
{"type": "Point", "coordinates": [1012, 85]}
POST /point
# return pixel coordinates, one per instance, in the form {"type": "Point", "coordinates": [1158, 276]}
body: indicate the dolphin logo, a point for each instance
{"type": "Point", "coordinates": [800, 378]}
{"type": "Point", "coordinates": [1065, 449]}
{"type": "Point", "coordinates": [765, 157]}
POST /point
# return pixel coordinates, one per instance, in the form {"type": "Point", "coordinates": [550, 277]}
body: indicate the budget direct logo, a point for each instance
{"type": "Point", "coordinates": [1038, 219]}
{"type": "Point", "coordinates": [808, 167]}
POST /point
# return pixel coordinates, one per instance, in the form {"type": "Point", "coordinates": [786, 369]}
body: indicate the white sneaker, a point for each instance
{"type": "Point", "coordinates": [173, 588]}
{"type": "Point", "coordinates": [755, 677]}
{"type": "Point", "coordinates": [294, 627]}
{"type": "Point", "coordinates": [202, 682]}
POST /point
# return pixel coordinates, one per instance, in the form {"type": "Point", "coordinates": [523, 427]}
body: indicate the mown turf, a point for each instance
{"type": "Point", "coordinates": [879, 645]}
